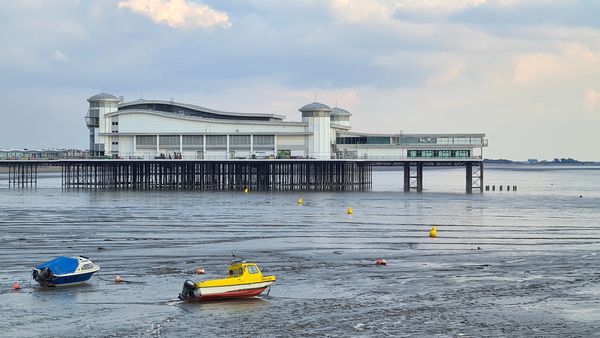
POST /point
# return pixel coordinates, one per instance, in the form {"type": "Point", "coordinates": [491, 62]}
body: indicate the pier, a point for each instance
{"type": "Point", "coordinates": [263, 174]}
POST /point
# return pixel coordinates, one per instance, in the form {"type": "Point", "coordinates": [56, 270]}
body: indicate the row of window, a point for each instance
{"type": "Point", "coordinates": [364, 140]}
{"type": "Point", "coordinates": [100, 104]}
{"type": "Point", "coordinates": [198, 140]}
{"type": "Point", "coordinates": [439, 153]}
{"type": "Point", "coordinates": [407, 140]}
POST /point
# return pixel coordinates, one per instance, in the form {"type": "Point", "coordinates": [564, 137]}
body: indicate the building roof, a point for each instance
{"type": "Point", "coordinates": [197, 111]}
{"type": "Point", "coordinates": [340, 112]}
{"type": "Point", "coordinates": [103, 97]}
{"type": "Point", "coordinates": [315, 106]}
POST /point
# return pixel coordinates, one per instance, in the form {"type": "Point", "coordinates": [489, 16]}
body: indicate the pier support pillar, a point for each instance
{"type": "Point", "coordinates": [469, 178]}
{"type": "Point", "coordinates": [406, 177]}
{"type": "Point", "coordinates": [420, 177]}
{"type": "Point", "coordinates": [413, 176]}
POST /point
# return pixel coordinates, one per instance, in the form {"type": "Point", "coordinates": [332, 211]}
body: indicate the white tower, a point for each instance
{"type": "Point", "coordinates": [317, 116]}
{"type": "Point", "coordinates": [100, 104]}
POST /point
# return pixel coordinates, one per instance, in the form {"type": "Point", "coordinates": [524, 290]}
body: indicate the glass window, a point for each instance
{"type": "Point", "coordinates": [444, 153]}
{"type": "Point", "coordinates": [378, 140]}
{"type": "Point", "coordinates": [145, 140]}
{"type": "Point", "coordinates": [169, 140]}
{"type": "Point", "coordinates": [193, 140]}
{"type": "Point", "coordinates": [252, 269]}
{"type": "Point", "coordinates": [87, 266]}
{"type": "Point", "coordinates": [264, 139]}
{"type": "Point", "coordinates": [239, 140]}
{"type": "Point", "coordinates": [216, 140]}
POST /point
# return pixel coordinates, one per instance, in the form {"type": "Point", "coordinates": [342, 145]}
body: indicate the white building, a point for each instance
{"type": "Point", "coordinates": [153, 128]}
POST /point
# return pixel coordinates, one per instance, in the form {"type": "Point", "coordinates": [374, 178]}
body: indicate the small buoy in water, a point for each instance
{"type": "Point", "coordinates": [118, 279]}
{"type": "Point", "coordinates": [16, 286]}
{"type": "Point", "coordinates": [300, 201]}
{"type": "Point", "coordinates": [200, 271]}
{"type": "Point", "coordinates": [433, 232]}
{"type": "Point", "coordinates": [349, 211]}
{"type": "Point", "coordinates": [246, 190]}
{"type": "Point", "coordinates": [380, 261]}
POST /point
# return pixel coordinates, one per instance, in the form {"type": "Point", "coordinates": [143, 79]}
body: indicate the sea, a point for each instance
{"type": "Point", "coordinates": [521, 263]}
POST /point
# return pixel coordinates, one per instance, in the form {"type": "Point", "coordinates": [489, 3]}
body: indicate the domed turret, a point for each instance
{"type": "Point", "coordinates": [315, 107]}
{"type": "Point", "coordinates": [340, 117]}
{"type": "Point", "coordinates": [103, 97]}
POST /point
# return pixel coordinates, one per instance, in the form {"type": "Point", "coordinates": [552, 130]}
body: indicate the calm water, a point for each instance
{"type": "Point", "coordinates": [520, 263]}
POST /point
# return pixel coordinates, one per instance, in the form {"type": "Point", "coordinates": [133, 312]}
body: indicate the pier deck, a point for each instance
{"type": "Point", "coordinates": [263, 174]}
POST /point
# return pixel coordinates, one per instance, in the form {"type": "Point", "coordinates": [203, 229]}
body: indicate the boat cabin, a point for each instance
{"type": "Point", "coordinates": [238, 269]}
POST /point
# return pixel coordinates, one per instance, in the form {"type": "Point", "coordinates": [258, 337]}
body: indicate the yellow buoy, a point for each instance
{"type": "Point", "coordinates": [349, 211]}
{"type": "Point", "coordinates": [300, 201]}
{"type": "Point", "coordinates": [433, 232]}
{"type": "Point", "coordinates": [246, 190]}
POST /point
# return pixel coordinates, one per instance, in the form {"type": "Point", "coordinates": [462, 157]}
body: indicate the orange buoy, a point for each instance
{"type": "Point", "coordinates": [200, 271]}
{"type": "Point", "coordinates": [16, 286]}
{"type": "Point", "coordinates": [118, 279]}
{"type": "Point", "coordinates": [380, 261]}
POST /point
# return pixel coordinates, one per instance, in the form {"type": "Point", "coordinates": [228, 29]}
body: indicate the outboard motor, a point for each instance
{"type": "Point", "coordinates": [188, 291]}
{"type": "Point", "coordinates": [45, 277]}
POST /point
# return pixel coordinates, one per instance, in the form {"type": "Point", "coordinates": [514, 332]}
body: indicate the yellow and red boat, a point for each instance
{"type": "Point", "coordinates": [244, 280]}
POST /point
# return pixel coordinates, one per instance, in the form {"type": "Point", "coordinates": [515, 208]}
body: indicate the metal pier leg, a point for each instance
{"type": "Point", "coordinates": [419, 177]}
{"type": "Point", "coordinates": [406, 177]}
{"type": "Point", "coordinates": [469, 177]}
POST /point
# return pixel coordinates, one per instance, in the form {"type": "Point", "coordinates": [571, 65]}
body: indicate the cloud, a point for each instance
{"type": "Point", "coordinates": [61, 57]}
{"type": "Point", "coordinates": [570, 61]}
{"type": "Point", "coordinates": [178, 13]}
{"type": "Point", "coordinates": [591, 99]}
{"type": "Point", "coordinates": [356, 11]}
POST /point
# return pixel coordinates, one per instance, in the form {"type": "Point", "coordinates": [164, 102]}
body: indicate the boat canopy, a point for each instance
{"type": "Point", "coordinates": [60, 265]}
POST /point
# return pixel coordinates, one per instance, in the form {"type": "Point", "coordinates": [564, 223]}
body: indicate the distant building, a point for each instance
{"type": "Point", "coordinates": [154, 128]}
{"type": "Point", "coordinates": [532, 161]}
{"type": "Point", "coordinates": [41, 154]}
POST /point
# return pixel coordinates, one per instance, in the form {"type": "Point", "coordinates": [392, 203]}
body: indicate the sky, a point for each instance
{"type": "Point", "coordinates": [525, 72]}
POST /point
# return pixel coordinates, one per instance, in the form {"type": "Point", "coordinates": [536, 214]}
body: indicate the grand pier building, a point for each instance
{"type": "Point", "coordinates": [153, 128]}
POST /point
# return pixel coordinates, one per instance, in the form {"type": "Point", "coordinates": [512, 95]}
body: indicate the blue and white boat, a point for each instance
{"type": "Point", "coordinates": [65, 271]}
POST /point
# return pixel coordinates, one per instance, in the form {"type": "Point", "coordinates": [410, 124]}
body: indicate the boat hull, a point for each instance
{"type": "Point", "coordinates": [229, 291]}
{"type": "Point", "coordinates": [72, 279]}
{"type": "Point", "coordinates": [68, 279]}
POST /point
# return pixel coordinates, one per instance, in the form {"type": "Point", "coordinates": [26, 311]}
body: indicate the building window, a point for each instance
{"type": "Point", "coordinates": [94, 104]}
{"type": "Point", "coordinates": [193, 140]}
{"type": "Point", "coordinates": [462, 153]}
{"type": "Point", "coordinates": [378, 140]}
{"type": "Point", "coordinates": [216, 140]}
{"type": "Point", "coordinates": [115, 123]}
{"type": "Point", "coordinates": [444, 153]}
{"type": "Point", "coordinates": [237, 140]}
{"type": "Point", "coordinates": [145, 140]}
{"type": "Point", "coordinates": [114, 143]}
{"type": "Point", "coordinates": [169, 140]}
{"type": "Point", "coordinates": [263, 140]}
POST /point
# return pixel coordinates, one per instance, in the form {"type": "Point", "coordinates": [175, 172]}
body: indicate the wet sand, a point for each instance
{"type": "Point", "coordinates": [535, 272]}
